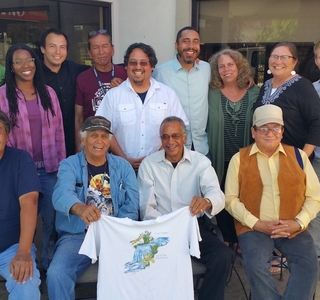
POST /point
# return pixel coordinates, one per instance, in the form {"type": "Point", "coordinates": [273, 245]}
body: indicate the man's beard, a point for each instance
{"type": "Point", "coordinates": [185, 59]}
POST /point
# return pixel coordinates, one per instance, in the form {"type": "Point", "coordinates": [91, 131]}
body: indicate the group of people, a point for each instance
{"type": "Point", "coordinates": [141, 141]}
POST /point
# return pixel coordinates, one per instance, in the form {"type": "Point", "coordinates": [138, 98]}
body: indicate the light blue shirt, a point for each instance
{"type": "Point", "coordinates": [72, 188]}
{"type": "Point", "coordinates": [192, 90]}
{"type": "Point", "coordinates": [316, 85]}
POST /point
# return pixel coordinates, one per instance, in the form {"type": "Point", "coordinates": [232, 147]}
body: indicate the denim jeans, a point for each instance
{"type": "Point", "coordinates": [47, 212]}
{"type": "Point", "coordinates": [314, 225]}
{"type": "Point", "coordinates": [314, 230]}
{"type": "Point", "coordinates": [66, 267]}
{"type": "Point", "coordinates": [300, 252]}
{"type": "Point", "coordinates": [26, 291]}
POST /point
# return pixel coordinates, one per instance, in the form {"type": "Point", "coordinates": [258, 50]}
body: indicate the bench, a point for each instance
{"type": "Point", "coordinates": [90, 276]}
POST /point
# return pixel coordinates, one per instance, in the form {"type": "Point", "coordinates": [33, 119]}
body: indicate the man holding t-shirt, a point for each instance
{"type": "Point", "coordinates": [90, 183]}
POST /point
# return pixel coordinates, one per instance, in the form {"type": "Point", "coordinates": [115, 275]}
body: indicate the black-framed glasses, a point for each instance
{"type": "Point", "coordinates": [19, 63]}
{"type": "Point", "coordinates": [175, 136]}
{"type": "Point", "coordinates": [265, 130]}
{"type": "Point", "coordinates": [282, 57]}
{"type": "Point", "coordinates": [96, 32]}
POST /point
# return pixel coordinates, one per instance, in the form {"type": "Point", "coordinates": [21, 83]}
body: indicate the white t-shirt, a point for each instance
{"type": "Point", "coordinates": [148, 260]}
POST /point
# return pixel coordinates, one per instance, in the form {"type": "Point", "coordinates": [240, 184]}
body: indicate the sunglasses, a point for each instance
{"type": "Point", "coordinates": [96, 32]}
{"type": "Point", "coordinates": [134, 63]}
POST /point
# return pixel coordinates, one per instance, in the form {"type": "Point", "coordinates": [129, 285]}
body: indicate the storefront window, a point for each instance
{"type": "Point", "coordinates": [253, 27]}
{"type": "Point", "coordinates": [24, 21]}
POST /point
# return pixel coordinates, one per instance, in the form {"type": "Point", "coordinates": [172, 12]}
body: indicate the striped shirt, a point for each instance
{"type": "Point", "coordinates": [234, 132]}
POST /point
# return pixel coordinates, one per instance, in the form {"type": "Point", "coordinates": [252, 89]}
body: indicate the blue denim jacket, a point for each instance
{"type": "Point", "coordinates": [72, 186]}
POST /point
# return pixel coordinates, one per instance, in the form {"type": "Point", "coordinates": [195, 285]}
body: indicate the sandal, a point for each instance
{"type": "Point", "coordinates": [276, 265]}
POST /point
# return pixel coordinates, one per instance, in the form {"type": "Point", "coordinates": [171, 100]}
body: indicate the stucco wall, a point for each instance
{"type": "Point", "coordinates": [152, 22]}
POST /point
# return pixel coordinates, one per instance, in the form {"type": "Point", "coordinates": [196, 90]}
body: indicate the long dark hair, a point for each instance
{"type": "Point", "coordinates": [38, 81]}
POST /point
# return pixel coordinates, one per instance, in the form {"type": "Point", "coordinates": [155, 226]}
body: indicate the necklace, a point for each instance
{"type": "Point", "coordinates": [104, 172]}
{"type": "Point", "coordinates": [31, 94]}
{"type": "Point", "coordinates": [234, 110]}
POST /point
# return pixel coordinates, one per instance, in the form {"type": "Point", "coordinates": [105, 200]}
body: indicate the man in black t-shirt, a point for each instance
{"type": "Point", "coordinates": [61, 75]}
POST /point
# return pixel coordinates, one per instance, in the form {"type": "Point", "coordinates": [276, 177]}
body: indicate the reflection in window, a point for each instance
{"type": "Point", "coordinates": [23, 21]}
{"type": "Point", "coordinates": [253, 27]}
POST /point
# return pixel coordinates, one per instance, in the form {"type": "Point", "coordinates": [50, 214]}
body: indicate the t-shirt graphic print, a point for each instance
{"type": "Point", "coordinates": [146, 260]}
{"type": "Point", "coordinates": [99, 194]}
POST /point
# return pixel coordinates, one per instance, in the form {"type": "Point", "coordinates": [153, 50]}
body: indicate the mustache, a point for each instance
{"type": "Point", "coordinates": [172, 144]}
{"type": "Point", "coordinates": [192, 49]}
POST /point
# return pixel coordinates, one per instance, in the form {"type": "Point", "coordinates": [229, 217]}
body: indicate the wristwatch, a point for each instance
{"type": "Point", "coordinates": [300, 223]}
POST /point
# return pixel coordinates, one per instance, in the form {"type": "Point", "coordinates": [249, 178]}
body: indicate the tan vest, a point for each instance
{"type": "Point", "coordinates": [291, 181]}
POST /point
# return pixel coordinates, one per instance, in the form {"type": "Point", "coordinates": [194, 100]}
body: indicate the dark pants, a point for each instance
{"type": "Point", "coordinates": [217, 258]}
{"type": "Point", "coordinates": [300, 252]}
{"type": "Point", "coordinates": [224, 220]}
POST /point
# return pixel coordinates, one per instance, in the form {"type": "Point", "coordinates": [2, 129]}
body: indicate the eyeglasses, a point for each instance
{"type": "Point", "coordinates": [134, 63]}
{"type": "Point", "coordinates": [175, 136]}
{"type": "Point", "coordinates": [20, 63]}
{"type": "Point", "coordinates": [96, 32]}
{"type": "Point", "coordinates": [282, 57]}
{"type": "Point", "coordinates": [265, 130]}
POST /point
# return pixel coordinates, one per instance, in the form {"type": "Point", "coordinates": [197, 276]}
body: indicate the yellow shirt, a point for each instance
{"type": "Point", "coordinates": [270, 201]}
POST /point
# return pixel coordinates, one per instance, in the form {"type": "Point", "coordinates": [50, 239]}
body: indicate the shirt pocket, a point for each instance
{"type": "Point", "coordinates": [157, 112]}
{"type": "Point", "coordinates": [127, 113]}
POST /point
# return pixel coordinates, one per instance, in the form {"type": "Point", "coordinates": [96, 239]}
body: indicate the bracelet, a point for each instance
{"type": "Point", "coordinates": [207, 200]}
{"type": "Point", "coordinates": [300, 223]}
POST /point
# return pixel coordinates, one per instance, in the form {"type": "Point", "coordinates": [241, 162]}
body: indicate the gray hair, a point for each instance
{"type": "Point", "coordinates": [83, 134]}
{"type": "Point", "coordinates": [5, 121]}
{"type": "Point", "coordinates": [172, 119]}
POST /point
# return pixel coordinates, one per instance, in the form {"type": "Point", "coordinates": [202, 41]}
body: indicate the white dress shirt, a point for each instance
{"type": "Point", "coordinates": [164, 189]}
{"type": "Point", "coordinates": [135, 124]}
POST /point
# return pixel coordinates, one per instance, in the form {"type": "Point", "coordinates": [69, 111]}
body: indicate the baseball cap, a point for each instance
{"type": "Point", "coordinates": [267, 114]}
{"type": "Point", "coordinates": [95, 123]}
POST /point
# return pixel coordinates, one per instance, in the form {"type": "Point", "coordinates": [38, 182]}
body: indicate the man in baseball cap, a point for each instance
{"type": "Point", "coordinates": [273, 193]}
{"type": "Point", "coordinates": [87, 186]}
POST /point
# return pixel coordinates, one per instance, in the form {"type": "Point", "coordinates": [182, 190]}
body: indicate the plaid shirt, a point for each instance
{"type": "Point", "coordinates": [53, 144]}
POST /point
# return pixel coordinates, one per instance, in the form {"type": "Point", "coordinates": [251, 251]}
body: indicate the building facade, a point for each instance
{"type": "Point", "coordinates": [252, 26]}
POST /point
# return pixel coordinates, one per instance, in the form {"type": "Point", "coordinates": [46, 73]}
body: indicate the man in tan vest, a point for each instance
{"type": "Point", "coordinates": [273, 193]}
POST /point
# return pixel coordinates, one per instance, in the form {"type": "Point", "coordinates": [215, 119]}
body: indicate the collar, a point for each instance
{"type": "Point", "coordinates": [109, 159]}
{"type": "Point", "coordinates": [177, 66]}
{"type": "Point", "coordinates": [255, 149]}
{"type": "Point", "coordinates": [154, 84]}
{"type": "Point", "coordinates": [45, 68]}
{"type": "Point", "coordinates": [186, 156]}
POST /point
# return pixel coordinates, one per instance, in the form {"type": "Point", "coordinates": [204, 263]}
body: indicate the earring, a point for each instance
{"type": "Point", "coordinates": [269, 72]}
{"type": "Point", "coordinates": [293, 72]}
{"type": "Point", "coordinates": [12, 71]}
